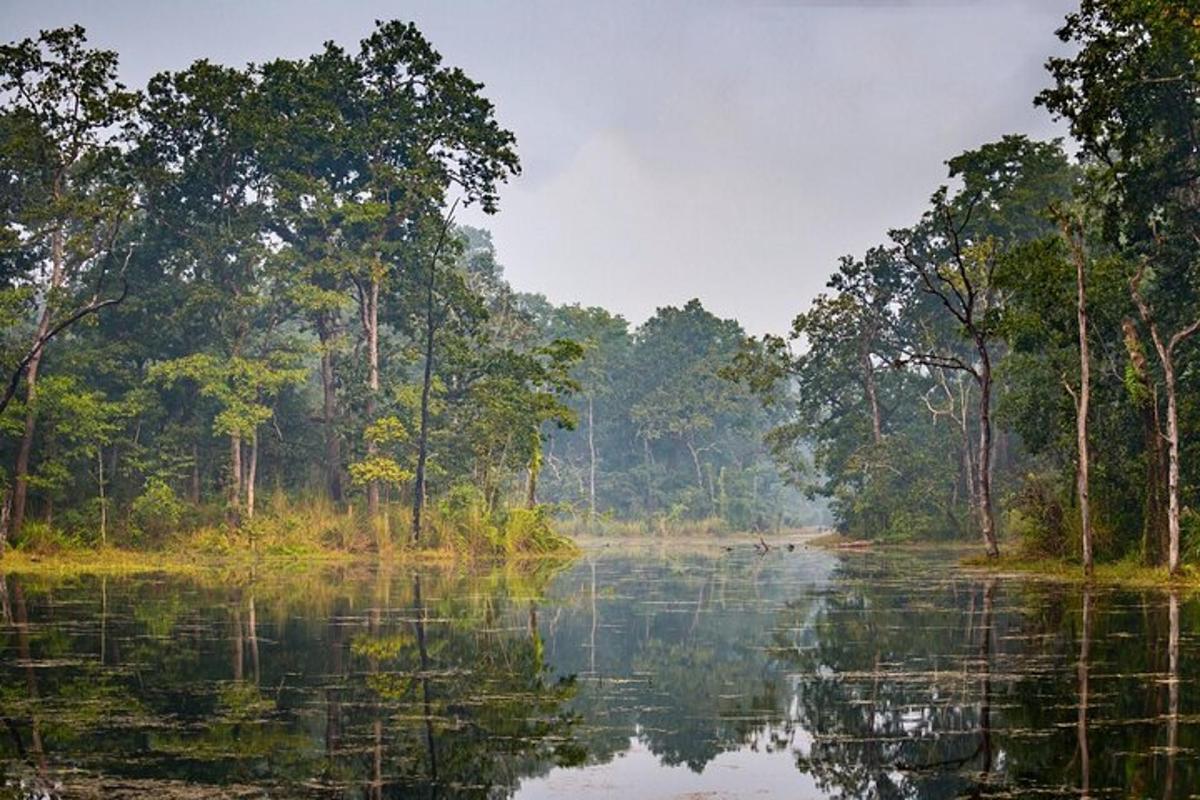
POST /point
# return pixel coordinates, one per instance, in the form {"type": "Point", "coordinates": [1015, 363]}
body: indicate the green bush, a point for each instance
{"type": "Point", "coordinates": [529, 530]}
{"type": "Point", "coordinates": [38, 536]}
{"type": "Point", "coordinates": [1036, 518]}
{"type": "Point", "coordinates": [156, 512]}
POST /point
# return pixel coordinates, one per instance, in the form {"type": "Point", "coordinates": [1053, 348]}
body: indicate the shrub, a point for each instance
{"type": "Point", "coordinates": [1037, 520]}
{"type": "Point", "coordinates": [529, 530]}
{"type": "Point", "coordinates": [38, 536]}
{"type": "Point", "coordinates": [156, 512]}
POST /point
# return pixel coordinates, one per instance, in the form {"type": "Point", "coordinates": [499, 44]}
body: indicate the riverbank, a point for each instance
{"type": "Point", "coordinates": [1119, 573]}
{"type": "Point", "coordinates": [115, 562]}
{"type": "Point", "coordinates": [215, 550]}
{"type": "Point", "coordinates": [1130, 574]}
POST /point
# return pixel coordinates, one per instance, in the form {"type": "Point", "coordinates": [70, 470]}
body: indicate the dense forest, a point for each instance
{"type": "Point", "coordinates": [238, 284]}
{"type": "Point", "coordinates": [238, 301]}
{"type": "Point", "coordinates": [1022, 360]}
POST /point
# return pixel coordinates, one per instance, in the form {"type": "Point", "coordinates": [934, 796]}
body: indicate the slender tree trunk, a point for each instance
{"type": "Point", "coordinates": [333, 443]}
{"type": "Point", "coordinates": [426, 385]}
{"type": "Point", "coordinates": [1173, 511]}
{"type": "Point", "coordinates": [252, 474]}
{"type": "Point", "coordinates": [535, 468]}
{"type": "Point", "coordinates": [872, 397]}
{"type": "Point", "coordinates": [1166, 357]}
{"type": "Point", "coordinates": [373, 386]}
{"type": "Point", "coordinates": [591, 420]}
{"type": "Point", "coordinates": [5, 512]}
{"type": "Point", "coordinates": [696, 462]}
{"type": "Point", "coordinates": [986, 520]}
{"type": "Point", "coordinates": [1083, 400]}
{"type": "Point", "coordinates": [235, 479]}
{"type": "Point", "coordinates": [103, 503]}
{"type": "Point", "coordinates": [1154, 522]}
{"type": "Point", "coordinates": [195, 488]}
{"type": "Point", "coordinates": [427, 378]}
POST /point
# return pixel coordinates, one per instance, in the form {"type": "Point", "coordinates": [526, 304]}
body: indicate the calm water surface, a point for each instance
{"type": "Point", "coordinates": [631, 673]}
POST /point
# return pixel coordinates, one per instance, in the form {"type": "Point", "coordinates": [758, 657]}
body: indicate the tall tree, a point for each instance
{"type": "Point", "coordinates": [430, 131]}
{"type": "Point", "coordinates": [66, 196]}
{"type": "Point", "coordinates": [954, 253]}
{"type": "Point", "coordinates": [207, 195]}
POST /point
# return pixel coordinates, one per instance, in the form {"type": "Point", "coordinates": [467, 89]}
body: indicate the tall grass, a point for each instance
{"type": "Point", "coordinates": [457, 526]}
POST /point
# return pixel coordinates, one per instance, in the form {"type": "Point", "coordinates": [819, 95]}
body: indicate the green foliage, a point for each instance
{"type": "Point", "coordinates": [44, 539]}
{"type": "Point", "coordinates": [156, 513]}
{"type": "Point", "coordinates": [381, 469]}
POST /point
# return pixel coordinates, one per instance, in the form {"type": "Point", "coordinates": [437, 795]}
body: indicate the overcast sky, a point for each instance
{"type": "Point", "coordinates": [720, 150]}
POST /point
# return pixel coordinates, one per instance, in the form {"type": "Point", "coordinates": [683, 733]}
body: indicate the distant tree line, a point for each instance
{"type": "Point", "coordinates": [1023, 358]}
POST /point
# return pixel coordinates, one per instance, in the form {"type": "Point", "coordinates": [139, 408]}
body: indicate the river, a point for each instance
{"type": "Point", "coordinates": [645, 671]}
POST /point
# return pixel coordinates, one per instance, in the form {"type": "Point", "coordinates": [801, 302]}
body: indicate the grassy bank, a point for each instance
{"type": "Point", "coordinates": [293, 535]}
{"type": "Point", "coordinates": [1118, 573]}
{"type": "Point", "coordinates": [1126, 573]}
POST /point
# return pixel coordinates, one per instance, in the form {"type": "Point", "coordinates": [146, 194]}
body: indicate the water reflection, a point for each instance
{"type": "Point", "coordinates": [647, 673]}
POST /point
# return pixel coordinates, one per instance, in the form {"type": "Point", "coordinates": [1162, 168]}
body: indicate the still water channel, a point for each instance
{"type": "Point", "coordinates": [631, 673]}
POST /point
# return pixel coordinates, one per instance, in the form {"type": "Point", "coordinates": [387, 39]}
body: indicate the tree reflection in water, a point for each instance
{"type": "Point", "coordinates": [873, 677]}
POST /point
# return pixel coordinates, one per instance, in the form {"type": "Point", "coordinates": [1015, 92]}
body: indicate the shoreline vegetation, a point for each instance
{"type": "Point", "coordinates": [1128, 573]}
{"type": "Point", "coordinates": [208, 550]}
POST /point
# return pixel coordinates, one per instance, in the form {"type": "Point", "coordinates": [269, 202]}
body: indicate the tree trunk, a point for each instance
{"type": "Point", "coordinates": [696, 462]}
{"type": "Point", "coordinates": [252, 474]}
{"type": "Point", "coordinates": [195, 487]}
{"type": "Point", "coordinates": [372, 317]}
{"type": "Point", "coordinates": [1165, 350]}
{"type": "Point", "coordinates": [427, 378]}
{"type": "Point", "coordinates": [21, 471]}
{"type": "Point", "coordinates": [534, 471]}
{"type": "Point", "coordinates": [1082, 402]}
{"type": "Point", "coordinates": [25, 449]}
{"type": "Point", "coordinates": [5, 511]}
{"type": "Point", "coordinates": [426, 384]}
{"type": "Point", "coordinates": [233, 515]}
{"type": "Point", "coordinates": [986, 520]}
{"type": "Point", "coordinates": [333, 443]}
{"type": "Point", "coordinates": [100, 487]}
{"type": "Point", "coordinates": [591, 420]}
{"type": "Point", "coordinates": [1154, 522]}
{"type": "Point", "coordinates": [872, 397]}
{"type": "Point", "coordinates": [1173, 511]}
